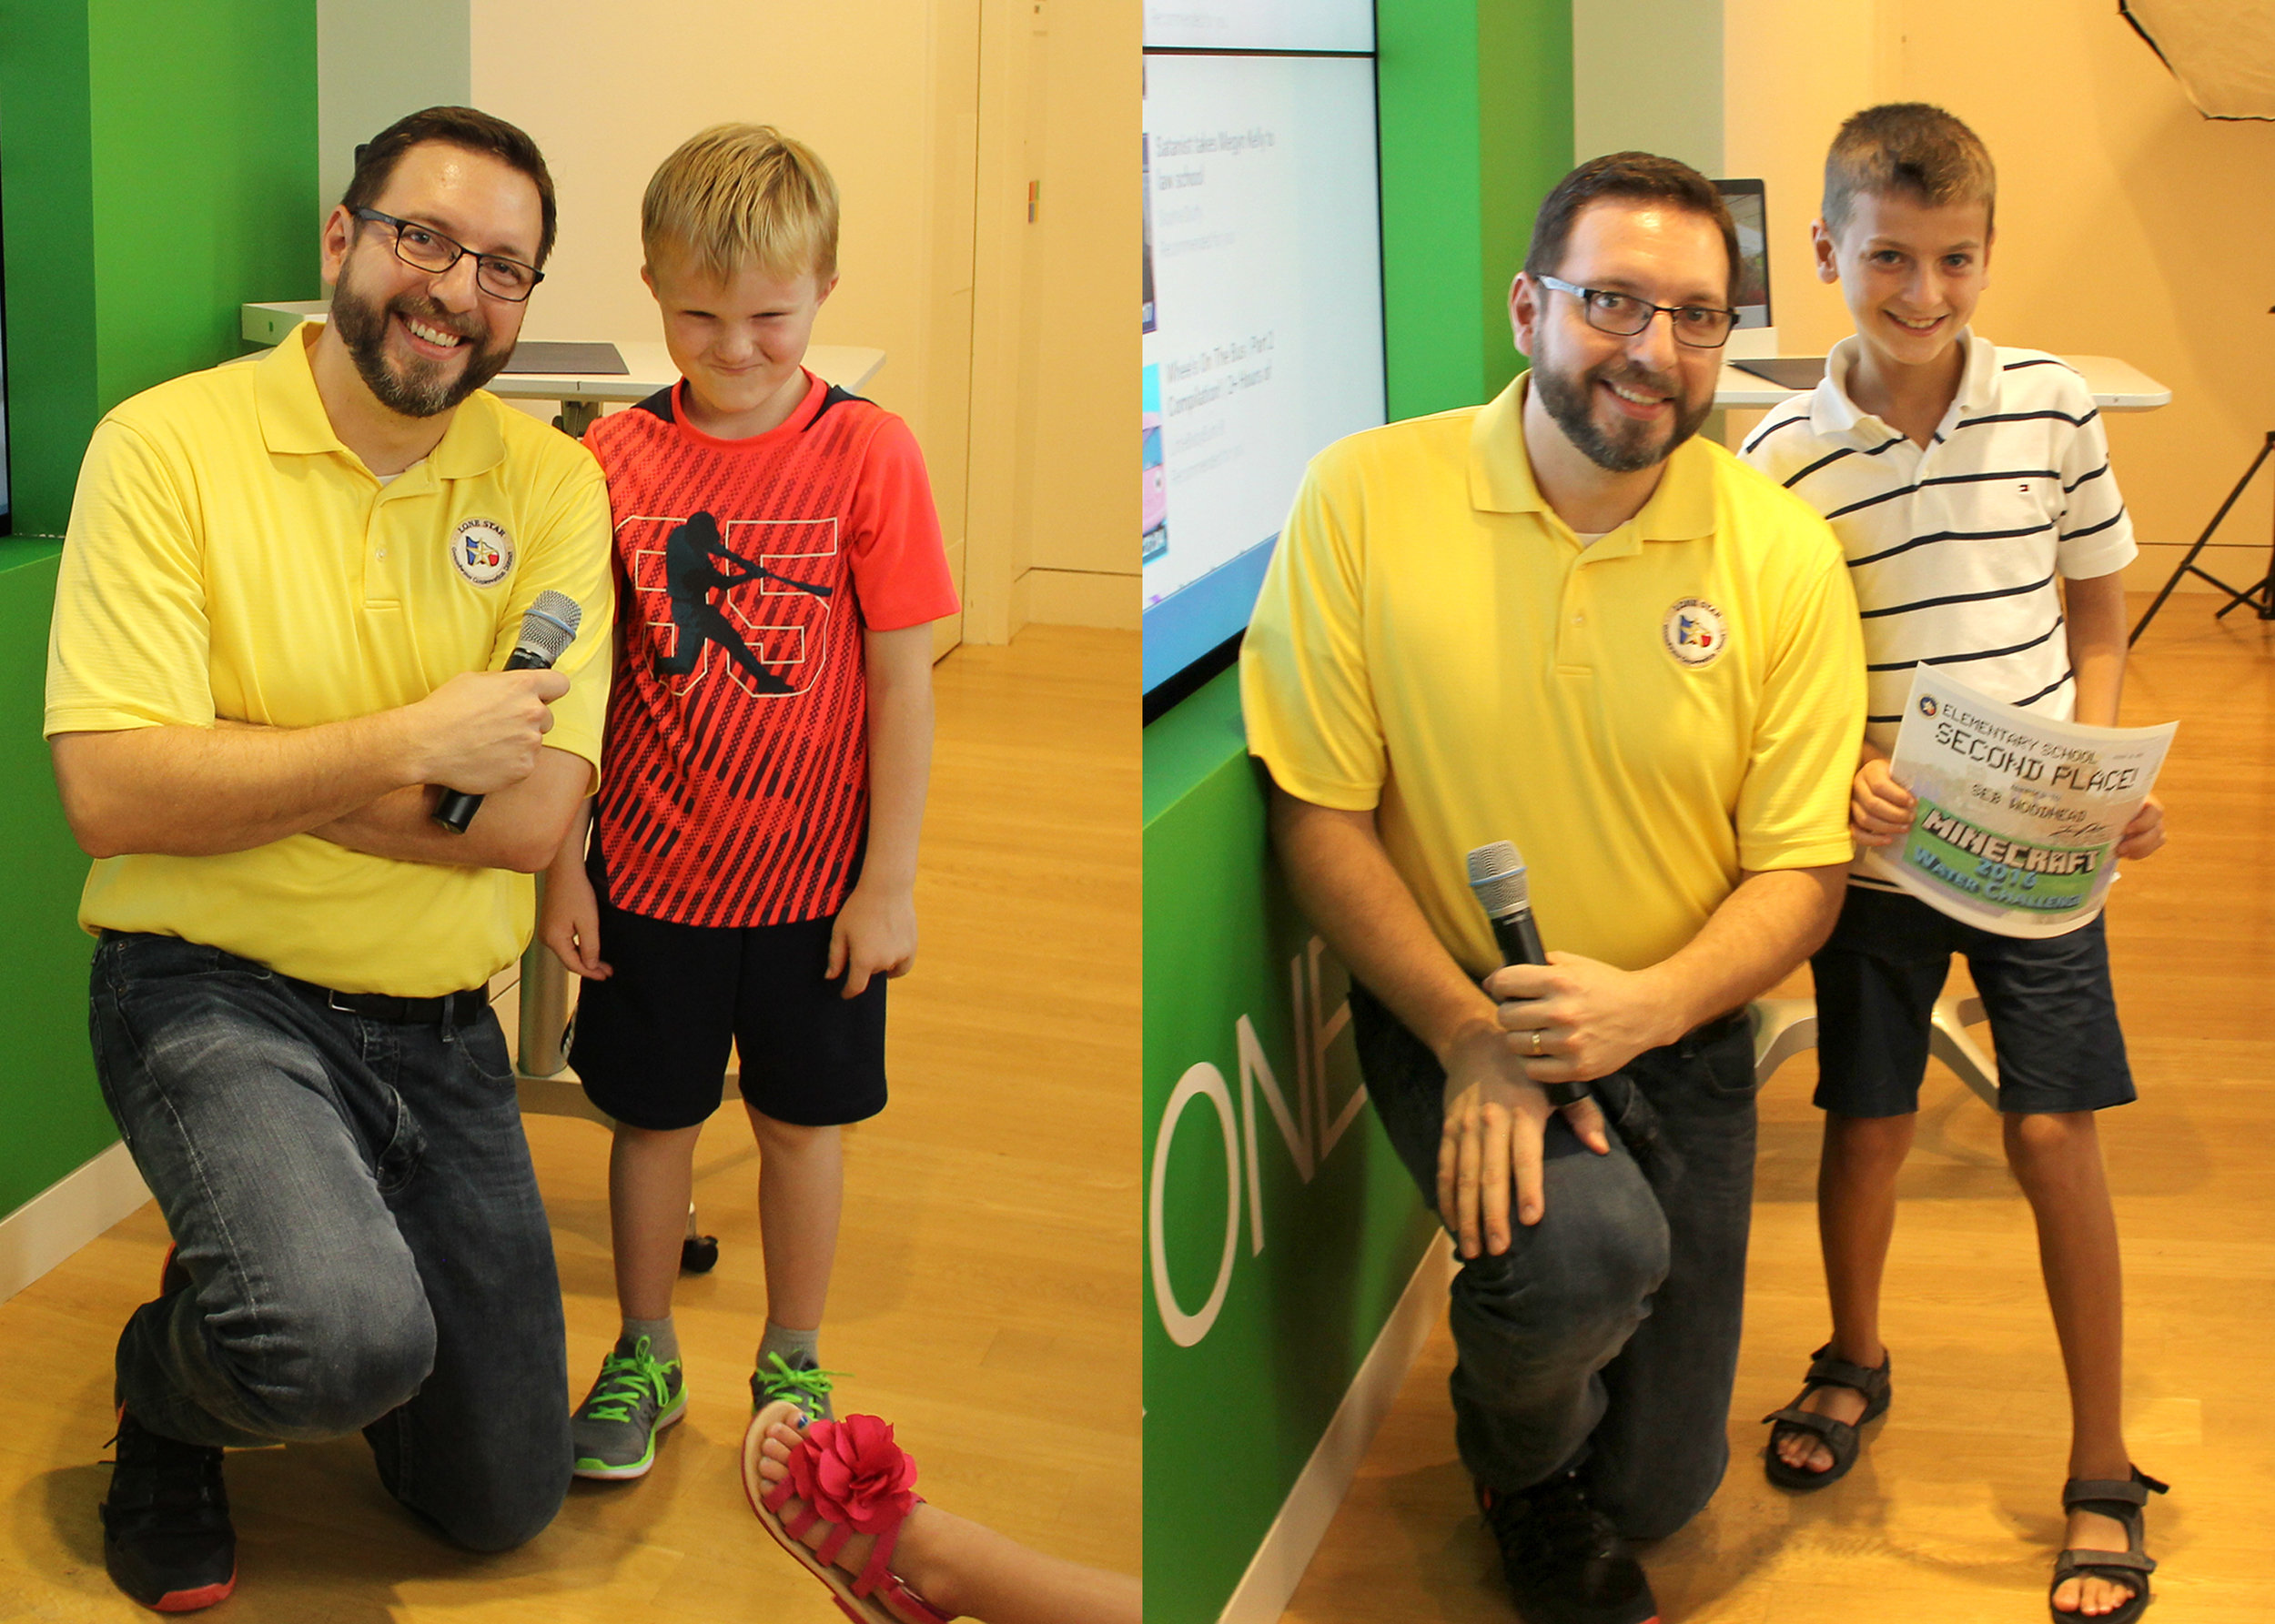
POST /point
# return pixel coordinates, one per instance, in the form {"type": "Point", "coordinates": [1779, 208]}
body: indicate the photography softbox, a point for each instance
{"type": "Point", "coordinates": [2221, 51]}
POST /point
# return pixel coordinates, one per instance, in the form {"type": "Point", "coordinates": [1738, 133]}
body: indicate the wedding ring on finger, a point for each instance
{"type": "Point", "coordinates": [1536, 1042]}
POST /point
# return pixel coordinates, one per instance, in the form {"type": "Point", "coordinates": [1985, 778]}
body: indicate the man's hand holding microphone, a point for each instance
{"type": "Point", "coordinates": [479, 732]}
{"type": "Point", "coordinates": [501, 709]}
{"type": "Point", "coordinates": [1563, 1021]}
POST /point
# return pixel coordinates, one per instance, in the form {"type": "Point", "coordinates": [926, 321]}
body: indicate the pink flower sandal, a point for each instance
{"type": "Point", "coordinates": [853, 1476]}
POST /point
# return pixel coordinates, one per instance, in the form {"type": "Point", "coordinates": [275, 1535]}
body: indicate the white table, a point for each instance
{"type": "Point", "coordinates": [2117, 386]}
{"type": "Point", "coordinates": [582, 394]}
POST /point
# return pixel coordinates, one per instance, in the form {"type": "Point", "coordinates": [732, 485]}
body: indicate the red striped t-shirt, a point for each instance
{"type": "Point", "coordinates": [735, 775]}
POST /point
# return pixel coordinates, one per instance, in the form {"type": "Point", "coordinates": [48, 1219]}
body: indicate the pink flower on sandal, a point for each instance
{"type": "Point", "coordinates": [854, 1474]}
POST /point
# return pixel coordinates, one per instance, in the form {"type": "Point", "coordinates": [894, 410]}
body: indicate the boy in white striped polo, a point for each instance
{"type": "Point", "coordinates": [1970, 489]}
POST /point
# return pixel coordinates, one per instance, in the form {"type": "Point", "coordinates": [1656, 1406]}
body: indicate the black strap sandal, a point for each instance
{"type": "Point", "coordinates": [2119, 1499]}
{"type": "Point", "coordinates": [1839, 1437]}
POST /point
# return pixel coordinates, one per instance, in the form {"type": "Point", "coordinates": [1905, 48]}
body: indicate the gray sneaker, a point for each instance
{"type": "Point", "coordinates": [614, 1431]}
{"type": "Point", "coordinates": [802, 1383]}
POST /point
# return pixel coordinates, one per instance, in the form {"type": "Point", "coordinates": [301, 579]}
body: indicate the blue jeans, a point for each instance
{"type": "Point", "coordinates": [354, 1203]}
{"type": "Point", "coordinates": [1605, 1339]}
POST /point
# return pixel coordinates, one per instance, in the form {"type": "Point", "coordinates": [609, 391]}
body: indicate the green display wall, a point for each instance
{"type": "Point", "coordinates": [1279, 1227]}
{"type": "Point", "coordinates": [158, 169]}
{"type": "Point", "coordinates": [51, 1119]}
{"type": "Point", "coordinates": [1476, 110]}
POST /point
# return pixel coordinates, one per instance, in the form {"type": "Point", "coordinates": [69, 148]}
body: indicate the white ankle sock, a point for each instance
{"type": "Point", "coordinates": [663, 1339]}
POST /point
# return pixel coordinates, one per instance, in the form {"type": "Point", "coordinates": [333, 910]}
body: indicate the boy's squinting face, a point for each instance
{"type": "Point", "coordinates": [738, 342]}
{"type": "Point", "coordinates": [1910, 272]}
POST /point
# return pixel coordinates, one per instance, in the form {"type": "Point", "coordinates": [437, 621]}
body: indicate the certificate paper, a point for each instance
{"type": "Point", "coordinates": [2017, 814]}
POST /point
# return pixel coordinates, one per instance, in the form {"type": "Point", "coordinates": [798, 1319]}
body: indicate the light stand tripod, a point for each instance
{"type": "Point", "coordinates": [2259, 595]}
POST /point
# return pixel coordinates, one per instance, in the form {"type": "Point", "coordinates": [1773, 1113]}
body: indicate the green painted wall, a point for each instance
{"type": "Point", "coordinates": [1310, 1221]}
{"type": "Point", "coordinates": [1302, 1201]}
{"type": "Point", "coordinates": [1476, 109]}
{"type": "Point", "coordinates": [51, 1117]}
{"type": "Point", "coordinates": [48, 196]}
{"type": "Point", "coordinates": [158, 163]}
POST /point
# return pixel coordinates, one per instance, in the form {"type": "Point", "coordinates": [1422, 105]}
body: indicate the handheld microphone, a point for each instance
{"type": "Point", "coordinates": [548, 629]}
{"type": "Point", "coordinates": [1497, 878]}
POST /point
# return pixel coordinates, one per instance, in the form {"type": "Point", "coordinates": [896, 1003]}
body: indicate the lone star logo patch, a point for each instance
{"type": "Point", "coordinates": [481, 552]}
{"type": "Point", "coordinates": [1694, 632]}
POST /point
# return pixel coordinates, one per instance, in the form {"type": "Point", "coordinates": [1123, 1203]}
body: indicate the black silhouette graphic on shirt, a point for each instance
{"type": "Point", "coordinates": [691, 576]}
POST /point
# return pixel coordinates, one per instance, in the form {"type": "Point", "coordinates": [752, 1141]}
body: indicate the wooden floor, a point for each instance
{"type": "Point", "coordinates": [985, 1299]}
{"type": "Point", "coordinates": [1953, 1511]}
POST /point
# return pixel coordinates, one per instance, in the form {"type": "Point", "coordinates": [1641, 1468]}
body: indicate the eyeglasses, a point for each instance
{"type": "Point", "coordinates": [427, 250]}
{"type": "Point", "coordinates": [1702, 327]}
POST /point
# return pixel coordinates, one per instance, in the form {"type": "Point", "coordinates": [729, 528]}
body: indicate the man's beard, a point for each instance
{"type": "Point", "coordinates": [420, 387]}
{"type": "Point", "coordinates": [1630, 447]}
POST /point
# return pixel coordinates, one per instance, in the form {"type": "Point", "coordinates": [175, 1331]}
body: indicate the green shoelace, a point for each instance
{"type": "Point", "coordinates": [625, 1381]}
{"type": "Point", "coordinates": [809, 1389]}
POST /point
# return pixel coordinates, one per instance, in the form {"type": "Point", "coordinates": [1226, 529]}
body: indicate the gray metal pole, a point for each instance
{"type": "Point", "coordinates": [544, 1009]}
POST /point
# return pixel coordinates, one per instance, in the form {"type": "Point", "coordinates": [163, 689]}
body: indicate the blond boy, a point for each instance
{"type": "Point", "coordinates": [753, 841]}
{"type": "Point", "coordinates": [1965, 483]}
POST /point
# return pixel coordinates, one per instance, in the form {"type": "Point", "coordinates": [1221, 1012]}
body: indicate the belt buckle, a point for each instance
{"type": "Point", "coordinates": [331, 997]}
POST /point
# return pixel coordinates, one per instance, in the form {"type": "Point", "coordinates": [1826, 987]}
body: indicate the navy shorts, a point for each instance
{"type": "Point", "coordinates": [2053, 1014]}
{"type": "Point", "coordinates": [650, 1043]}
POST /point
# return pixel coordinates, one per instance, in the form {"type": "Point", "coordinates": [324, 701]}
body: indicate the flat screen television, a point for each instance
{"type": "Point", "coordinates": [1263, 283]}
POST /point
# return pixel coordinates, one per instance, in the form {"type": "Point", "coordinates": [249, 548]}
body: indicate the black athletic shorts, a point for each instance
{"type": "Point", "coordinates": [2053, 1014]}
{"type": "Point", "coordinates": [651, 1044]}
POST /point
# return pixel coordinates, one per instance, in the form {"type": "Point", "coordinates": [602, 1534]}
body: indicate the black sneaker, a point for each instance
{"type": "Point", "coordinates": [1562, 1559]}
{"type": "Point", "coordinates": [167, 1539]}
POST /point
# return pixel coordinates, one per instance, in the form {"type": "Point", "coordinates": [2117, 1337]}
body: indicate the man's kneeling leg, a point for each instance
{"type": "Point", "coordinates": [483, 1449]}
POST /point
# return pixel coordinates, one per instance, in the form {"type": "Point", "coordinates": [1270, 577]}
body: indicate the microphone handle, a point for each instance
{"type": "Point", "coordinates": [1519, 938]}
{"type": "Point", "coordinates": [456, 808]}
{"type": "Point", "coordinates": [1520, 941]}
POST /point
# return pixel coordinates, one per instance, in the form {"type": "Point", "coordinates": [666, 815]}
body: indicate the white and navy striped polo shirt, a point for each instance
{"type": "Point", "coordinates": [1954, 549]}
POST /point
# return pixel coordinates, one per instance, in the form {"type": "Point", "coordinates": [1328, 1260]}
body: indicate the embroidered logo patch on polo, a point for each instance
{"type": "Point", "coordinates": [1694, 632]}
{"type": "Point", "coordinates": [481, 551]}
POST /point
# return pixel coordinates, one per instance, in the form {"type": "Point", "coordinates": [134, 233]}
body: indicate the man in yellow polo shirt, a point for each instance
{"type": "Point", "coordinates": [1562, 621]}
{"type": "Point", "coordinates": [288, 588]}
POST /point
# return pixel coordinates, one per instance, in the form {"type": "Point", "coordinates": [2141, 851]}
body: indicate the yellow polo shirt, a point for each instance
{"type": "Point", "coordinates": [228, 558]}
{"type": "Point", "coordinates": [1644, 717]}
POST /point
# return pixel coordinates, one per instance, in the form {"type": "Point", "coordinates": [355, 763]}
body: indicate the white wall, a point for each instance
{"type": "Point", "coordinates": [1647, 77]}
{"type": "Point", "coordinates": [2128, 225]}
{"type": "Point", "coordinates": [377, 62]}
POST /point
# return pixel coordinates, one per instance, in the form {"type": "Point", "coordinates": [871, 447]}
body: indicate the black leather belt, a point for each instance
{"type": "Point", "coordinates": [458, 1008]}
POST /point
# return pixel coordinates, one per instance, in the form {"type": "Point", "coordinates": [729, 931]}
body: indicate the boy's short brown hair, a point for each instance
{"type": "Point", "coordinates": [742, 195]}
{"type": "Point", "coordinates": [1907, 147]}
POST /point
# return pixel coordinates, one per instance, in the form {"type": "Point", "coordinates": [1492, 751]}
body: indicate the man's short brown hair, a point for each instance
{"type": "Point", "coordinates": [455, 127]}
{"type": "Point", "coordinates": [742, 195]}
{"type": "Point", "coordinates": [1627, 177]}
{"type": "Point", "coordinates": [1911, 149]}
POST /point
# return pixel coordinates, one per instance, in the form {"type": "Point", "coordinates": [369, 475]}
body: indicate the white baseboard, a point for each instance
{"type": "Point", "coordinates": [1278, 1566]}
{"type": "Point", "coordinates": [1082, 598]}
{"type": "Point", "coordinates": [66, 1215]}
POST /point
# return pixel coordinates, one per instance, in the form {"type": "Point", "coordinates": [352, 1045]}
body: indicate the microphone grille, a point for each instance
{"type": "Point", "coordinates": [1497, 876]}
{"type": "Point", "coordinates": [550, 625]}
